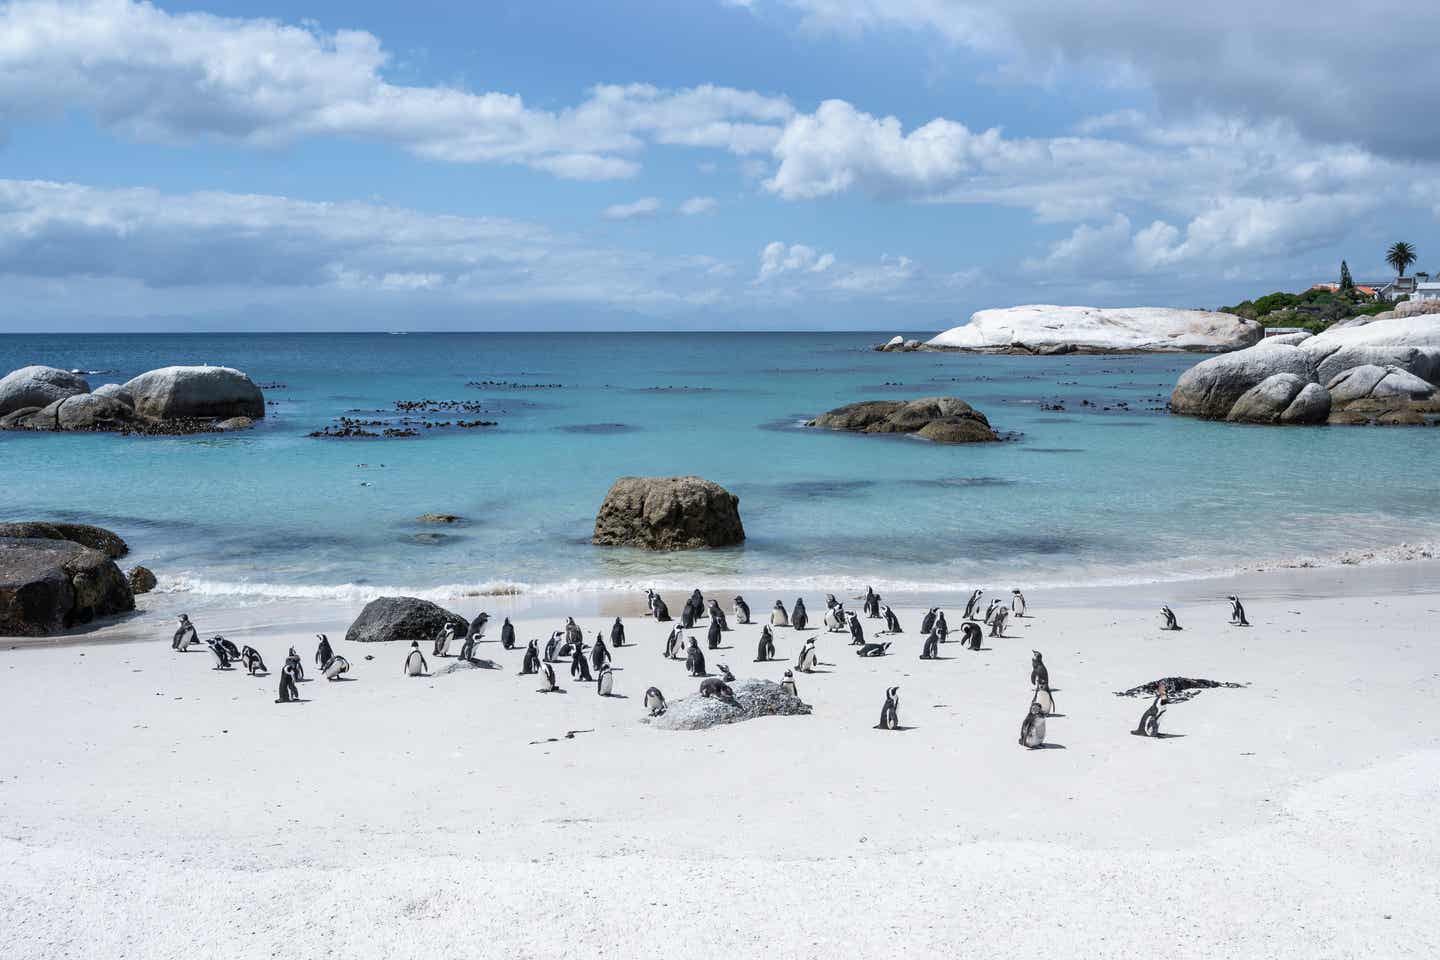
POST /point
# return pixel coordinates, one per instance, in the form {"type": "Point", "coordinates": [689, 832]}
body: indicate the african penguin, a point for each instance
{"type": "Point", "coordinates": [415, 665]}
{"type": "Point", "coordinates": [1032, 728]}
{"type": "Point", "coordinates": [654, 701]}
{"type": "Point", "coordinates": [765, 649]}
{"type": "Point", "coordinates": [741, 610]}
{"type": "Point", "coordinates": [890, 710]}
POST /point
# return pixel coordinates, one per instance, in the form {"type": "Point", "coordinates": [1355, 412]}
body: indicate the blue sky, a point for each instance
{"type": "Point", "coordinates": [770, 164]}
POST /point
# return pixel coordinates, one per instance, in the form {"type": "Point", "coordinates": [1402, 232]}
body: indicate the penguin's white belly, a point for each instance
{"type": "Point", "coordinates": [413, 667]}
{"type": "Point", "coordinates": [1036, 735]}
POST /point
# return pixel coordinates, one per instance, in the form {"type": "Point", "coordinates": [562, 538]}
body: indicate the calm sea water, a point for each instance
{"type": "Point", "coordinates": [1096, 492]}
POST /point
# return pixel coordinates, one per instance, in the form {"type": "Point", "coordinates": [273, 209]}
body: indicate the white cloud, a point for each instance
{"type": "Point", "coordinates": [776, 258]}
{"type": "Point", "coordinates": [644, 207]}
{"type": "Point", "coordinates": [153, 75]}
{"type": "Point", "coordinates": [1305, 62]}
{"type": "Point", "coordinates": [698, 205]}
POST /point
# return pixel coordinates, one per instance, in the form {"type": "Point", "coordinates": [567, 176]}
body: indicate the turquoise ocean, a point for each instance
{"type": "Point", "coordinates": [1111, 489]}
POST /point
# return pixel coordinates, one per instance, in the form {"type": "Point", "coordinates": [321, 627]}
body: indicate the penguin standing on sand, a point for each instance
{"type": "Point", "coordinates": [507, 635]}
{"type": "Point", "coordinates": [336, 668]}
{"type": "Point", "coordinates": [787, 684]}
{"type": "Point", "coordinates": [725, 673]}
{"type": "Point", "coordinates": [288, 691]}
{"type": "Point", "coordinates": [467, 647]}
{"type": "Point", "coordinates": [805, 663]}
{"type": "Point", "coordinates": [835, 619]}
{"type": "Point", "coordinates": [716, 614]}
{"type": "Point", "coordinates": [1237, 613]}
{"type": "Point", "coordinates": [185, 635]}
{"type": "Point", "coordinates": [857, 633]}
{"type": "Point", "coordinates": [1017, 602]}
{"type": "Point", "coordinates": [778, 616]}
{"type": "Point", "coordinates": [942, 628]}
{"type": "Point", "coordinates": [552, 647]}
{"type": "Point", "coordinates": [694, 660]}
{"type": "Point", "coordinates": [1039, 673]}
{"type": "Point", "coordinates": [997, 621]}
{"type": "Point", "coordinates": [599, 654]}
{"type": "Point", "coordinates": [477, 627]}
{"type": "Point", "coordinates": [231, 651]}
{"type": "Point", "coordinates": [1149, 725]}
{"type": "Point", "coordinates": [970, 635]}
{"type": "Point", "coordinates": [765, 649]}
{"type": "Point", "coordinates": [293, 666]}
{"type": "Point", "coordinates": [971, 604]}
{"type": "Point", "coordinates": [443, 639]}
{"type": "Point", "coordinates": [892, 622]}
{"type": "Point", "coordinates": [605, 681]}
{"type": "Point", "coordinates": [927, 623]}
{"type": "Point", "coordinates": [415, 665]}
{"type": "Point", "coordinates": [687, 617]}
{"type": "Point", "coordinates": [799, 616]}
{"type": "Point", "coordinates": [931, 650]}
{"type": "Point", "coordinates": [674, 643]}
{"type": "Point", "coordinates": [579, 667]}
{"type": "Point", "coordinates": [871, 604]}
{"type": "Point", "coordinates": [531, 663]}
{"type": "Point", "coordinates": [1032, 728]}
{"type": "Point", "coordinates": [697, 603]}
{"type": "Point", "coordinates": [712, 636]}
{"type": "Point", "coordinates": [654, 701]}
{"type": "Point", "coordinates": [572, 634]}
{"type": "Point", "coordinates": [741, 610]}
{"type": "Point", "coordinates": [253, 662]}
{"type": "Point", "coordinates": [659, 611]}
{"type": "Point", "coordinates": [617, 634]}
{"type": "Point", "coordinates": [222, 657]}
{"type": "Point", "coordinates": [890, 711]}
{"type": "Point", "coordinates": [323, 652]}
{"type": "Point", "coordinates": [990, 610]}
{"type": "Point", "coordinates": [1044, 698]}
{"type": "Point", "coordinates": [547, 680]}
{"type": "Point", "coordinates": [1168, 616]}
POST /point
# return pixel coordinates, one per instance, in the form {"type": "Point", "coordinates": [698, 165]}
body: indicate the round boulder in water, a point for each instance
{"type": "Point", "coordinates": [38, 386]}
{"type": "Point", "coordinates": [668, 513]}
{"type": "Point", "coordinates": [213, 393]}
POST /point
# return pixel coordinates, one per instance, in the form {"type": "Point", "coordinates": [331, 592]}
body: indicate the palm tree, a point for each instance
{"type": "Point", "coordinates": [1400, 255]}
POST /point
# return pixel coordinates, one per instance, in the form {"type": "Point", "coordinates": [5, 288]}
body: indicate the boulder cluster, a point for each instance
{"type": "Point", "coordinates": [753, 699]}
{"type": "Point", "coordinates": [171, 400]}
{"type": "Point", "coordinates": [942, 419]}
{"type": "Point", "coordinates": [1365, 371]}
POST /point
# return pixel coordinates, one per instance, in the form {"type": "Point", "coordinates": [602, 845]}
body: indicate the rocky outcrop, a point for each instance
{"type": "Point", "coordinates": [51, 585]}
{"type": "Point", "coordinates": [215, 393]}
{"type": "Point", "coordinates": [753, 699]}
{"type": "Point", "coordinates": [898, 344]}
{"type": "Point", "coordinates": [38, 386]}
{"type": "Point", "coordinates": [668, 513]}
{"type": "Point", "coordinates": [84, 412]}
{"type": "Point", "coordinates": [96, 538]}
{"type": "Point", "coordinates": [1047, 329]}
{"type": "Point", "coordinates": [142, 580]}
{"type": "Point", "coordinates": [942, 419]}
{"type": "Point", "coordinates": [402, 618]}
{"type": "Point", "coordinates": [116, 392]}
{"type": "Point", "coordinates": [1383, 371]}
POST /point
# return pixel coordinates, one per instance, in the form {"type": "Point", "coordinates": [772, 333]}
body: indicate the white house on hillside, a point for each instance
{"type": "Point", "coordinates": [1426, 290]}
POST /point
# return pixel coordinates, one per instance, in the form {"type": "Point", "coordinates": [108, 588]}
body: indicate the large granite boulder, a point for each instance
{"type": "Point", "coordinates": [1282, 398]}
{"type": "Point", "coordinates": [668, 513]}
{"type": "Point", "coordinates": [215, 393]}
{"type": "Point", "coordinates": [1383, 371]}
{"type": "Point", "coordinates": [88, 411]}
{"type": "Point", "coordinates": [38, 386]}
{"type": "Point", "coordinates": [96, 538]}
{"type": "Point", "coordinates": [1049, 329]}
{"type": "Point", "coordinates": [402, 618]}
{"type": "Point", "coordinates": [942, 419]}
{"type": "Point", "coordinates": [115, 392]}
{"type": "Point", "coordinates": [753, 699]}
{"type": "Point", "coordinates": [47, 586]}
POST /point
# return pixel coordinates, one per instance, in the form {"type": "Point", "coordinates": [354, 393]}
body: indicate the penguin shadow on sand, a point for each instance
{"type": "Point", "coordinates": [1050, 744]}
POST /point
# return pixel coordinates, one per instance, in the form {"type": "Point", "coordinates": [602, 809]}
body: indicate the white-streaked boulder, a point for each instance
{"type": "Point", "coordinates": [219, 393]}
{"type": "Point", "coordinates": [1046, 328]}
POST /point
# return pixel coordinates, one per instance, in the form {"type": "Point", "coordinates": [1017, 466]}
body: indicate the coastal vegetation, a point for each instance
{"type": "Point", "coordinates": [1325, 304]}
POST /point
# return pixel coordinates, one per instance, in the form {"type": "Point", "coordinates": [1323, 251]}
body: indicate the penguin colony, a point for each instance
{"type": "Point", "coordinates": [592, 663]}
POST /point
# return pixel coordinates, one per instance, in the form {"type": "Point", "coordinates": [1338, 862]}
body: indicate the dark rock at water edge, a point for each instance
{"type": "Point", "coordinates": [142, 580]}
{"type": "Point", "coordinates": [51, 585]}
{"type": "Point", "coordinates": [668, 513]}
{"type": "Point", "coordinates": [97, 538]}
{"type": "Point", "coordinates": [942, 419]}
{"type": "Point", "coordinates": [402, 618]}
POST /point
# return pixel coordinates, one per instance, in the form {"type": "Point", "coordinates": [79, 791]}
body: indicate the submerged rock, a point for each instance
{"type": "Point", "coordinates": [942, 419]}
{"type": "Point", "coordinates": [97, 538]}
{"type": "Point", "coordinates": [402, 618]}
{"type": "Point", "coordinates": [1048, 329]}
{"type": "Point", "coordinates": [439, 518]}
{"type": "Point", "coordinates": [51, 585]}
{"type": "Point", "coordinates": [753, 699]}
{"type": "Point", "coordinates": [38, 386]}
{"type": "Point", "coordinates": [668, 513]}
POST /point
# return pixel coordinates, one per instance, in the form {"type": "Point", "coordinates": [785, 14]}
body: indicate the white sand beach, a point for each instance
{"type": "Point", "coordinates": [155, 807]}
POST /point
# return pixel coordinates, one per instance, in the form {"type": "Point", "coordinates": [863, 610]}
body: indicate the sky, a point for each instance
{"type": "Point", "coordinates": [887, 165]}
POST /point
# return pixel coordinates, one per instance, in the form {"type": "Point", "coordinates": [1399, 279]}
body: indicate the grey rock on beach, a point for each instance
{"type": "Point", "coordinates": [48, 586]}
{"type": "Point", "coordinates": [97, 538]}
{"type": "Point", "coordinates": [668, 513]}
{"type": "Point", "coordinates": [756, 698]}
{"type": "Point", "coordinates": [402, 618]}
